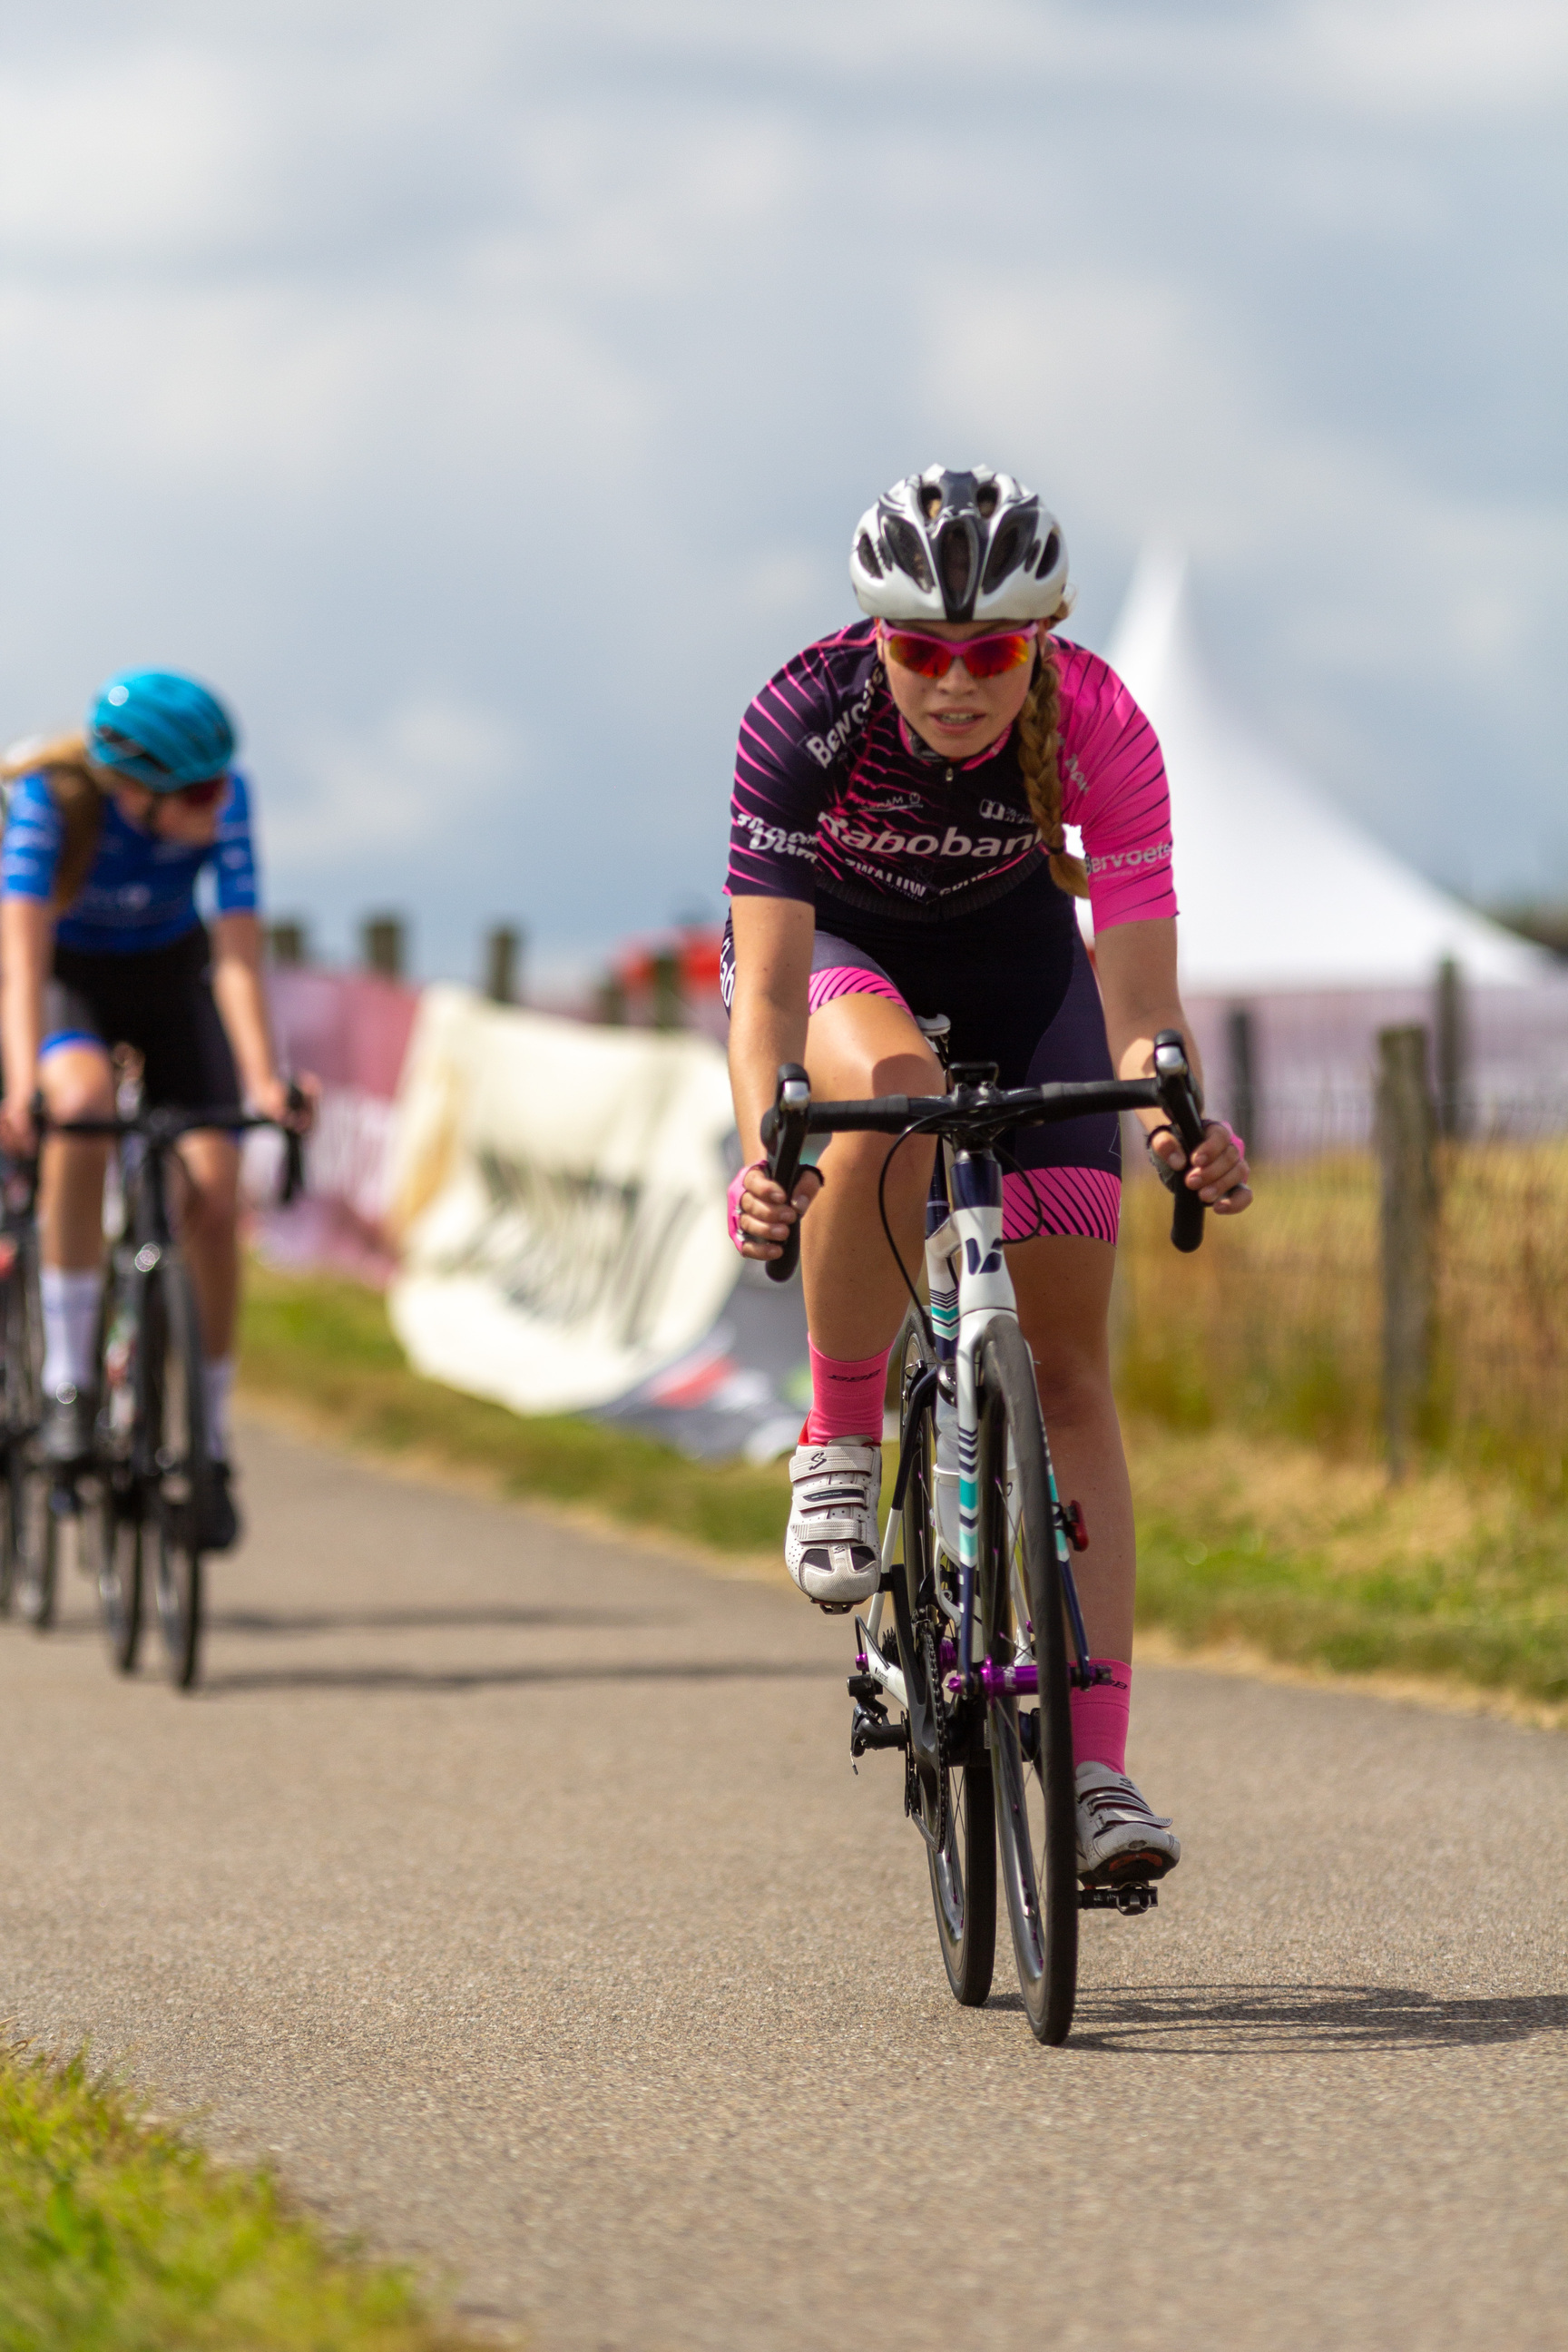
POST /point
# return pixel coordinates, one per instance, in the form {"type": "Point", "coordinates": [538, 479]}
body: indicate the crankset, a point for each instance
{"type": "Point", "coordinates": [928, 1780]}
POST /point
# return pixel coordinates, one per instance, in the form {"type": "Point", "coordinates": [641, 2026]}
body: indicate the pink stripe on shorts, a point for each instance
{"type": "Point", "coordinates": [848, 980]}
{"type": "Point", "coordinates": [1086, 1201]}
{"type": "Point", "coordinates": [1035, 1201]}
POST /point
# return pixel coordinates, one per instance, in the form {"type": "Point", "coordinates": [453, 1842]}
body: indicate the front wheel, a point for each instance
{"type": "Point", "coordinates": [963, 1863]}
{"type": "Point", "coordinates": [13, 1517]}
{"type": "Point", "coordinates": [174, 1433]}
{"type": "Point", "coordinates": [21, 1355]}
{"type": "Point", "coordinates": [46, 1508]}
{"type": "Point", "coordinates": [1023, 1625]}
{"type": "Point", "coordinates": [120, 1531]}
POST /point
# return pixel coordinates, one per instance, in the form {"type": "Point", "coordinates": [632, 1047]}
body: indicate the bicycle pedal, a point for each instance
{"type": "Point", "coordinates": [1132, 1901]}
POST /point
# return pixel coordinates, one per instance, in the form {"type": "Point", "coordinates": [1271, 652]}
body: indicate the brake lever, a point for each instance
{"type": "Point", "coordinates": [1184, 1112]}
{"type": "Point", "coordinates": [784, 1133]}
{"type": "Point", "coordinates": [293, 1152]}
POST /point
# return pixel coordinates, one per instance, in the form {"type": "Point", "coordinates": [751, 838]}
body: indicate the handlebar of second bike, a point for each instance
{"type": "Point", "coordinates": [164, 1126]}
{"type": "Point", "coordinates": [981, 1113]}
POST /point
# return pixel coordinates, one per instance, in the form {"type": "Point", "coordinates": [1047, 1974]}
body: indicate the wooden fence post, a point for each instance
{"type": "Point", "coordinates": [1406, 1126]}
{"type": "Point", "coordinates": [503, 964]}
{"type": "Point", "coordinates": [1452, 1052]}
{"type": "Point", "coordinates": [382, 937]}
{"type": "Point", "coordinates": [288, 945]}
{"type": "Point", "coordinates": [1243, 1104]}
{"type": "Point", "coordinates": [668, 992]}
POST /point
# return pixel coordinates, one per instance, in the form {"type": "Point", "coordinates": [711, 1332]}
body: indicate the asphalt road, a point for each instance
{"type": "Point", "coordinates": [512, 1890]}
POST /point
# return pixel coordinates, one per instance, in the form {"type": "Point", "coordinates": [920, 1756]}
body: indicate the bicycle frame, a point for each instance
{"type": "Point", "coordinates": [970, 1286]}
{"type": "Point", "coordinates": [970, 1289]}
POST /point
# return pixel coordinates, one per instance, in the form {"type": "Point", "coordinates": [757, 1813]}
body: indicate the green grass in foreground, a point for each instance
{"type": "Point", "coordinates": [119, 2236]}
{"type": "Point", "coordinates": [1315, 1560]}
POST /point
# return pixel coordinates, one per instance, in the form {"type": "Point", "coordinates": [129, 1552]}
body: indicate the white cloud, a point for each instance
{"type": "Point", "coordinates": [105, 158]}
{"type": "Point", "coordinates": [432, 765]}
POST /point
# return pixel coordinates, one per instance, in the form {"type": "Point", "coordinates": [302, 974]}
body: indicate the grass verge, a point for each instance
{"type": "Point", "coordinates": [118, 2235]}
{"type": "Point", "coordinates": [1320, 1563]}
{"type": "Point", "coordinates": [324, 1347]}
{"type": "Point", "coordinates": [1243, 1536]}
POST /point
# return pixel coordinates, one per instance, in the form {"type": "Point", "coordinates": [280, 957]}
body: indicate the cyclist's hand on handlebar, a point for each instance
{"type": "Point", "coordinates": [1219, 1173]}
{"type": "Point", "coordinates": [18, 1132]}
{"type": "Point", "coordinates": [760, 1216]}
{"type": "Point", "coordinates": [291, 1105]}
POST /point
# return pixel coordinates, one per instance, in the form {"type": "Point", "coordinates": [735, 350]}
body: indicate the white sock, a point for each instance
{"type": "Point", "coordinates": [70, 1325]}
{"type": "Point", "coordinates": [217, 1379]}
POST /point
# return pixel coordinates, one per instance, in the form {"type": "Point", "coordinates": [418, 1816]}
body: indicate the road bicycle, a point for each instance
{"type": "Point", "coordinates": [146, 1486]}
{"type": "Point", "coordinates": [976, 1558]}
{"type": "Point", "coordinates": [21, 1364]}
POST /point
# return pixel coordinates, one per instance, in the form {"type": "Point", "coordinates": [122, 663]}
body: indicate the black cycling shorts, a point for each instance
{"type": "Point", "coordinates": [160, 1002]}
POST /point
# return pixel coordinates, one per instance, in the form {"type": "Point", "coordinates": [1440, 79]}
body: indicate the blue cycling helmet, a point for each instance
{"type": "Point", "coordinates": [163, 730]}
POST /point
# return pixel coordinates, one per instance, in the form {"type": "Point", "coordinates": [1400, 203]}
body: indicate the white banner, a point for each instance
{"type": "Point", "coordinates": [559, 1194]}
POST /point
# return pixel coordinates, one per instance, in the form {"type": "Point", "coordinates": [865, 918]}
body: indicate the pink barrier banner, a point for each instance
{"type": "Point", "coordinates": [351, 1030]}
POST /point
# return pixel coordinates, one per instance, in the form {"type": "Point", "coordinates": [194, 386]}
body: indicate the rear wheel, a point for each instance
{"type": "Point", "coordinates": [961, 1838]}
{"type": "Point", "coordinates": [1031, 1745]}
{"type": "Point", "coordinates": [175, 1430]}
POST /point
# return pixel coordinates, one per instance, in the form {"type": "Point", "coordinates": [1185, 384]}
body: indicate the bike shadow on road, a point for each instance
{"type": "Point", "coordinates": [490, 1617]}
{"type": "Point", "coordinates": [1252, 2020]}
{"type": "Point", "coordinates": [458, 1679]}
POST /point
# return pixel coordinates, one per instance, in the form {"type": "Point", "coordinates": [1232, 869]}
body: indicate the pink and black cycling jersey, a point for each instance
{"type": "Point", "coordinates": [835, 794]}
{"type": "Point", "coordinates": [929, 884]}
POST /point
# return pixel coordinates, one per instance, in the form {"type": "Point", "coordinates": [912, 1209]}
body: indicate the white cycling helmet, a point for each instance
{"type": "Point", "coordinates": [940, 546]}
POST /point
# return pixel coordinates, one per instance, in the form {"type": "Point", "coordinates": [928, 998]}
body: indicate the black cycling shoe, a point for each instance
{"type": "Point", "coordinates": [220, 1528]}
{"type": "Point", "coordinates": [65, 1437]}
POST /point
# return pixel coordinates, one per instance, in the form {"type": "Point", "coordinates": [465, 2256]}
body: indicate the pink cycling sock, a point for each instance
{"type": "Point", "coordinates": [846, 1399]}
{"type": "Point", "coordinates": [1100, 1718]}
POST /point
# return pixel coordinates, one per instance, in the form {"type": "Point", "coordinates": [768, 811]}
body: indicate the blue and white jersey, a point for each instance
{"type": "Point", "coordinates": [141, 892]}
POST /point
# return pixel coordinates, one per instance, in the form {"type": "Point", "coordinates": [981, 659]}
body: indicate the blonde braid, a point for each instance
{"type": "Point", "coordinates": [1039, 747]}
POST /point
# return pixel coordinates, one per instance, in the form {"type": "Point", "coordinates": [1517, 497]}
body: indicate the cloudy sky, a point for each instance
{"type": "Point", "coordinates": [482, 394]}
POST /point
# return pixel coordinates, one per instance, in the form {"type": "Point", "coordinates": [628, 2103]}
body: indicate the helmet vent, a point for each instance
{"type": "Point", "coordinates": [869, 560]}
{"type": "Point", "coordinates": [955, 553]}
{"type": "Point", "coordinates": [1003, 557]}
{"type": "Point", "coordinates": [1051, 555]}
{"type": "Point", "coordinates": [987, 497]}
{"type": "Point", "coordinates": [903, 544]}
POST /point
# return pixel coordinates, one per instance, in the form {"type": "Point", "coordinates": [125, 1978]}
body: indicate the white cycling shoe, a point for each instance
{"type": "Point", "coordinates": [1119, 1838]}
{"type": "Point", "coordinates": [831, 1547]}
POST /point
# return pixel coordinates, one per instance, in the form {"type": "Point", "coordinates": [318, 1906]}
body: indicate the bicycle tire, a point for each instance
{"type": "Point", "coordinates": [119, 1503]}
{"type": "Point", "coordinates": [40, 1577]}
{"type": "Point", "coordinates": [175, 1434]}
{"type": "Point", "coordinates": [963, 1871]}
{"type": "Point", "coordinates": [119, 1546]}
{"type": "Point", "coordinates": [11, 1509]}
{"type": "Point", "coordinates": [1036, 1806]}
{"type": "Point", "coordinates": [21, 1353]}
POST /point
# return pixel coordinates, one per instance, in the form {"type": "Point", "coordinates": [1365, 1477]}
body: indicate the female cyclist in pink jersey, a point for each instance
{"type": "Point", "coordinates": [897, 848]}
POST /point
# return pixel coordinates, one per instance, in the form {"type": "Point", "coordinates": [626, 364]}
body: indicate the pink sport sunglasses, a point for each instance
{"type": "Point", "coordinates": [983, 657]}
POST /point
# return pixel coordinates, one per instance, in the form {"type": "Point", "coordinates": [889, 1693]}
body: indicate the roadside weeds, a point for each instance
{"type": "Point", "coordinates": [118, 2234]}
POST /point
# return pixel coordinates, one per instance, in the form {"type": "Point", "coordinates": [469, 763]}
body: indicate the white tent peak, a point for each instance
{"type": "Point", "coordinates": [1277, 887]}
